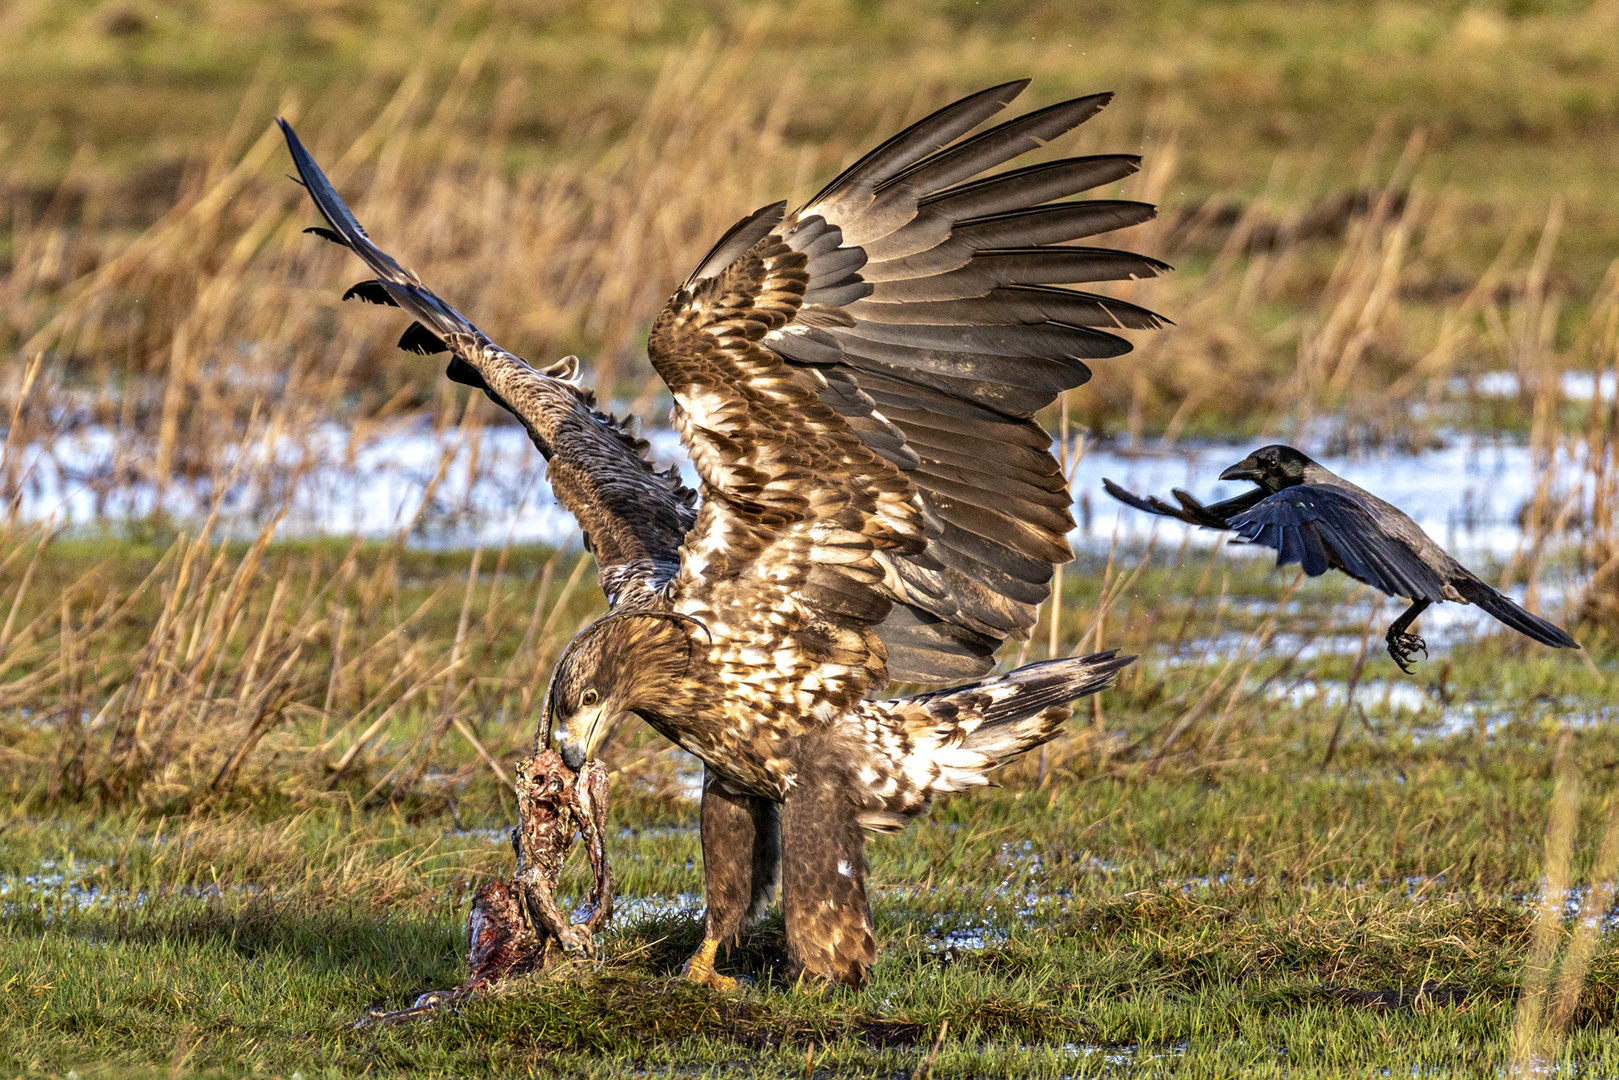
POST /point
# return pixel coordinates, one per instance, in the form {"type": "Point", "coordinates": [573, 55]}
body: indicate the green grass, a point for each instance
{"type": "Point", "coordinates": [1281, 919]}
{"type": "Point", "coordinates": [1517, 100]}
{"type": "Point", "coordinates": [1230, 905]}
{"type": "Point", "coordinates": [1518, 96]}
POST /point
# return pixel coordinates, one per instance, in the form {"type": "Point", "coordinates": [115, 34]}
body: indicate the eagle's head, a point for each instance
{"type": "Point", "coordinates": [632, 662]}
{"type": "Point", "coordinates": [1271, 467]}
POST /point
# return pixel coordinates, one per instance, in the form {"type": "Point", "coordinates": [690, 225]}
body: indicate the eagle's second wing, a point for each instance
{"type": "Point", "coordinates": [1323, 527]}
{"type": "Point", "coordinates": [633, 517]}
{"type": "Point", "coordinates": [914, 303]}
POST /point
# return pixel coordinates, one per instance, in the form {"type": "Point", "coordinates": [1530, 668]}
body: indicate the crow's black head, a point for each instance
{"type": "Point", "coordinates": [1272, 467]}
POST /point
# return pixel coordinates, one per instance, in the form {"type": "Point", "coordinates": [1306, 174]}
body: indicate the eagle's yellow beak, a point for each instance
{"type": "Point", "coordinates": [582, 736]}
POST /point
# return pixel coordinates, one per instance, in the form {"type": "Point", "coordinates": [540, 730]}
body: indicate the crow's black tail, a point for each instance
{"type": "Point", "coordinates": [1547, 633]}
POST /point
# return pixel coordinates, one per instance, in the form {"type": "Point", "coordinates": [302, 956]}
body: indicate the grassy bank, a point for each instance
{"type": "Point", "coordinates": [1271, 917]}
{"type": "Point", "coordinates": [1228, 865]}
{"type": "Point", "coordinates": [1366, 203]}
{"type": "Point", "coordinates": [1517, 96]}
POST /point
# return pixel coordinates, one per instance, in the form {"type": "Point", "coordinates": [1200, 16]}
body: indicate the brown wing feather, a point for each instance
{"type": "Point", "coordinates": [633, 516]}
{"type": "Point", "coordinates": [781, 564]}
{"type": "Point", "coordinates": [869, 368]}
{"type": "Point", "coordinates": [934, 304]}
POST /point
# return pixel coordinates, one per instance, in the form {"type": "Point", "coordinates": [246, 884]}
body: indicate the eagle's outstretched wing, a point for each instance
{"type": "Point", "coordinates": [633, 517]}
{"type": "Point", "coordinates": [856, 383]}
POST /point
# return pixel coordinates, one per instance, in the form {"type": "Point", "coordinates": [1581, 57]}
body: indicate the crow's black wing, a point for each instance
{"type": "Point", "coordinates": [1150, 503]}
{"type": "Point", "coordinates": [1209, 515]}
{"type": "Point", "coordinates": [1324, 528]}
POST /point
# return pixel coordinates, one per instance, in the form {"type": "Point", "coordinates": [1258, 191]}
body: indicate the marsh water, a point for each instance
{"type": "Point", "coordinates": [1468, 492]}
{"type": "Point", "coordinates": [443, 488]}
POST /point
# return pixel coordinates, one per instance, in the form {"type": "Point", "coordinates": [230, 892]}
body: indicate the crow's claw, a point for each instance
{"type": "Point", "coordinates": [1403, 646]}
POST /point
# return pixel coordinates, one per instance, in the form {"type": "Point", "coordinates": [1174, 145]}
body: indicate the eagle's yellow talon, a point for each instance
{"type": "Point", "coordinates": [700, 968]}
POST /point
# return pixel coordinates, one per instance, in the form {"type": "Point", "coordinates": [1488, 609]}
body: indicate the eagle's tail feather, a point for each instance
{"type": "Point", "coordinates": [958, 736]}
{"type": "Point", "coordinates": [1029, 706]}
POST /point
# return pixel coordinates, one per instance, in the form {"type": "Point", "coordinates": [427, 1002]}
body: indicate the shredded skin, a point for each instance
{"type": "Point", "coordinates": [516, 927]}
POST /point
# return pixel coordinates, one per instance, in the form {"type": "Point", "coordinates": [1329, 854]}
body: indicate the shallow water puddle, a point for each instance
{"type": "Point", "coordinates": [55, 893]}
{"type": "Point", "coordinates": [1466, 494]}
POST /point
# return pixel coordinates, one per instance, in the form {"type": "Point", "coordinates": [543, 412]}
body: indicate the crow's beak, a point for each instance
{"type": "Point", "coordinates": [1246, 469]}
{"type": "Point", "coordinates": [579, 740]}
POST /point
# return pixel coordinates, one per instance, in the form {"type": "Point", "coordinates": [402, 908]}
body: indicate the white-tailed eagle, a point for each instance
{"type": "Point", "coordinates": [856, 382]}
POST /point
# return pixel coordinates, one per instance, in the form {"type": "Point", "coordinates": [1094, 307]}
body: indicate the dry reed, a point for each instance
{"type": "Point", "coordinates": [212, 352]}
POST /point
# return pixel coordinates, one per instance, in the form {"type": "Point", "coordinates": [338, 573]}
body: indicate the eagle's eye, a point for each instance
{"type": "Point", "coordinates": [588, 698]}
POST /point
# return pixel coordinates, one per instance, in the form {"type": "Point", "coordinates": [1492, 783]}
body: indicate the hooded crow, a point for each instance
{"type": "Point", "coordinates": [1323, 522]}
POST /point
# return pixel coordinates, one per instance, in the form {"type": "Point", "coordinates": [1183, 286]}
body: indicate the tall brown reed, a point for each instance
{"type": "Point", "coordinates": [216, 334]}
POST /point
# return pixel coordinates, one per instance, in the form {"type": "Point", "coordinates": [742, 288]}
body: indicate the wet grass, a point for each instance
{"type": "Point", "coordinates": [1205, 882]}
{"type": "Point", "coordinates": [1276, 916]}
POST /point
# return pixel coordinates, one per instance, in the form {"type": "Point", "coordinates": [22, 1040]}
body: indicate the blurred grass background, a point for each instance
{"type": "Point", "coordinates": [556, 166]}
{"type": "Point", "coordinates": [221, 751]}
{"type": "Point", "coordinates": [1518, 97]}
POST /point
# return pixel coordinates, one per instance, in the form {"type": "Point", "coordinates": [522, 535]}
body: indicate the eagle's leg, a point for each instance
{"type": "Point", "coordinates": [1402, 646]}
{"type": "Point", "coordinates": [823, 887]}
{"type": "Point", "coordinates": [741, 862]}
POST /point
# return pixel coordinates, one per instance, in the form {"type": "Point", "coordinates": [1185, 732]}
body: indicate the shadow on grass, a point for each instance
{"type": "Point", "coordinates": [633, 998]}
{"type": "Point", "coordinates": [363, 945]}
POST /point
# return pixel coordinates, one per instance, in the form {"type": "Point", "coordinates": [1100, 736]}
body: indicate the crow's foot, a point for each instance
{"type": "Point", "coordinates": [1403, 647]}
